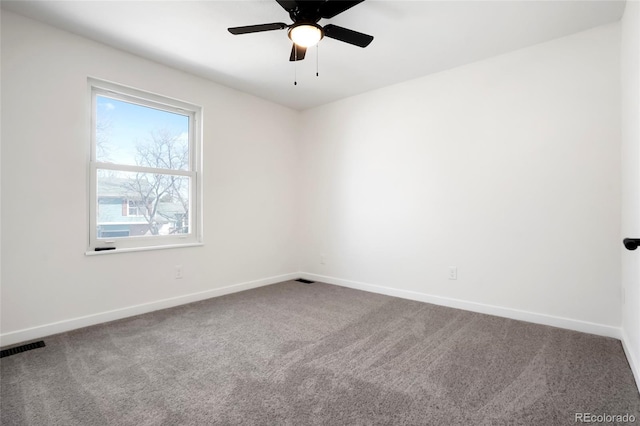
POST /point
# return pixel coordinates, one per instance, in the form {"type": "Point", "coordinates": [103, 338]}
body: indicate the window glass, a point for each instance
{"type": "Point", "coordinates": [138, 135]}
{"type": "Point", "coordinates": [145, 204]}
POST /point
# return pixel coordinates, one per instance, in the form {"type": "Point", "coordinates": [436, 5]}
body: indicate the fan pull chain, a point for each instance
{"type": "Point", "coordinates": [295, 66]}
{"type": "Point", "coordinates": [317, 56]}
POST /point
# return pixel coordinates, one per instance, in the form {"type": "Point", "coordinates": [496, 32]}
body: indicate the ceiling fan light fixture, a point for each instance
{"type": "Point", "coordinates": [306, 35]}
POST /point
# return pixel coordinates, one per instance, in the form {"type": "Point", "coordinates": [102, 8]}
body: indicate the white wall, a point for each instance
{"type": "Point", "coordinates": [249, 192]}
{"type": "Point", "coordinates": [631, 181]}
{"type": "Point", "coordinates": [507, 169]}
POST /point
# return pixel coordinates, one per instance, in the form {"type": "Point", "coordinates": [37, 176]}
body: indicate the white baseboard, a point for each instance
{"type": "Point", "coordinates": [631, 357]}
{"type": "Point", "coordinates": [38, 332]}
{"type": "Point", "coordinates": [554, 321]}
{"type": "Point", "coordinates": [41, 331]}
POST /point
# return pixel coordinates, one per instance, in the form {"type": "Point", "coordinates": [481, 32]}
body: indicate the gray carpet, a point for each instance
{"type": "Point", "coordinates": [296, 354]}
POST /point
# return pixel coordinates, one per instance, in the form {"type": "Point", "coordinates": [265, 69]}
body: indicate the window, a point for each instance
{"type": "Point", "coordinates": [134, 208]}
{"type": "Point", "coordinates": [144, 171]}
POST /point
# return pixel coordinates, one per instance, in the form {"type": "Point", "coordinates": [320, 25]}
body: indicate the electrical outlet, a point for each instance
{"type": "Point", "coordinates": [323, 259]}
{"type": "Point", "coordinates": [178, 272]}
{"type": "Point", "coordinates": [453, 273]}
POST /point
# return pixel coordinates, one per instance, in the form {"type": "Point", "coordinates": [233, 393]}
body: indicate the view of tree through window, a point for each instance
{"type": "Point", "coordinates": [143, 168]}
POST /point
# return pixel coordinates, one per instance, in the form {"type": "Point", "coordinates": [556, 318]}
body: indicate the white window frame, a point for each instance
{"type": "Point", "coordinates": [123, 244]}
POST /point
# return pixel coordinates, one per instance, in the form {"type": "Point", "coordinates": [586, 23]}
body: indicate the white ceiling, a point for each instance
{"type": "Point", "coordinates": [412, 39]}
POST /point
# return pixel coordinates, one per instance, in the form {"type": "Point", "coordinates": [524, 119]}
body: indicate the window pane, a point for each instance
{"type": "Point", "coordinates": [133, 204]}
{"type": "Point", "coordinates": [137, 135]}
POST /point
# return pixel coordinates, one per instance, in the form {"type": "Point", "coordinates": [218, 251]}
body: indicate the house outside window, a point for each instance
{"type": "Point", "coordinates": [145, 170]}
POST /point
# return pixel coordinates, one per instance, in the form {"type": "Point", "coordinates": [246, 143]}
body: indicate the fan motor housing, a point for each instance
{"type": "Point", "coordinates": [304, 15]}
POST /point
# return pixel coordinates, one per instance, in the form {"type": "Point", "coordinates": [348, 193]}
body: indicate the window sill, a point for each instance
{"type": "Point", "coordinates": [131, 249]}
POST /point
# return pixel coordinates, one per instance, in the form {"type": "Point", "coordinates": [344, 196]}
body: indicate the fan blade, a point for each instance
{"type": "Point", "coordinates": [331, 8]}
{"type": "Point", "coordinates": [347, 35]}
{"type": "Point", "coordinates": [257, 28]}
{"type": "Point", "coordinates": [297, 53]}
{"type": "Point", "coordinates": [288, 5]}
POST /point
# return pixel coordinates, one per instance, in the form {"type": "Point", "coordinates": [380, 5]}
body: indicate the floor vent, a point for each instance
{"type": "Point", "coordinates": [23, 348]}
{"type": "Point", "coordinates": [302, 280]}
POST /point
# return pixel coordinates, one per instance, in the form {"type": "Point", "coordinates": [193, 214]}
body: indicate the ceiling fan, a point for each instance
{"type": "Point", "coordinates": [305, 31]}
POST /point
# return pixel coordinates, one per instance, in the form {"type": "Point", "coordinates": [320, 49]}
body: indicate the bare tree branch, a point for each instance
{"type": "Point", "coordinates": [162, 150]}
{"type": "Point", "coordinates": [103, 142]}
